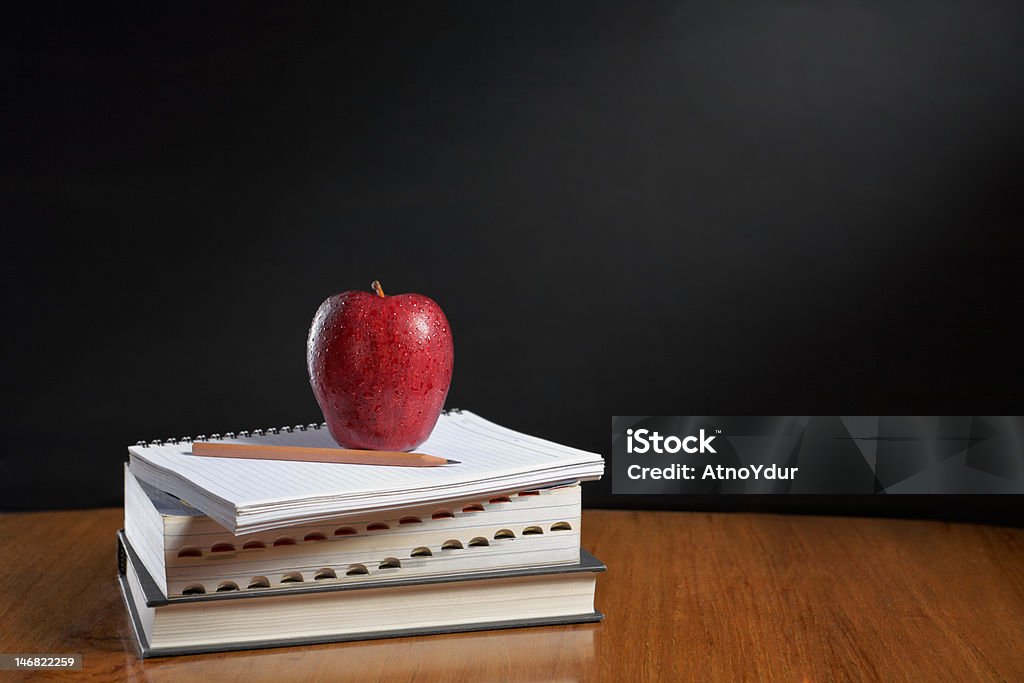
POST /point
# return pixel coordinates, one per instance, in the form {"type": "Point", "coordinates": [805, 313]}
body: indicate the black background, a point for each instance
{"type": "Point", "coordinates": [666, 208]}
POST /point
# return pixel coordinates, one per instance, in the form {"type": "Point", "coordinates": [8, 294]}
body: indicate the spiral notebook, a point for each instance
{"type": "Point", "coordinates": [247, 496]}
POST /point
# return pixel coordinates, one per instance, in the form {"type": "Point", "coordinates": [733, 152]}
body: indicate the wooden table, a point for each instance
{"type": "Point", "coordinates": [687, 597]}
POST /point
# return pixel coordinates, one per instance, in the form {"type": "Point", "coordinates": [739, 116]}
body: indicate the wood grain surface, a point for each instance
{"type": "Point", "coordinates": [687, 597]}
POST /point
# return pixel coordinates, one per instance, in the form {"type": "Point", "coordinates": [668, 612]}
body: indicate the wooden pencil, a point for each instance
{"type": "Point", "coordinates": [221, 449]}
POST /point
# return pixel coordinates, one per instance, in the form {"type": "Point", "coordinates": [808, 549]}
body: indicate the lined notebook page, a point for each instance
{"type": "Point", "coordinates": [271, 493]}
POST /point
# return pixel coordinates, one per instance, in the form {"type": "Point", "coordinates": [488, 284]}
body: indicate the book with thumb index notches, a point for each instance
{"type": "Point", "coordinates": [233, 553]}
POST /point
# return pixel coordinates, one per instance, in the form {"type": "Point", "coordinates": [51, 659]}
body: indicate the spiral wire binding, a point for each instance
{"type": "Point", "coordinates": [232, 435]}
{"type": "Point", "coordinates": [253, 432]}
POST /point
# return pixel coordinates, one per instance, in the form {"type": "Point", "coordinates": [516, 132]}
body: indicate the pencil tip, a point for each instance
{"type": "Point", "coordinates": [453, 462]}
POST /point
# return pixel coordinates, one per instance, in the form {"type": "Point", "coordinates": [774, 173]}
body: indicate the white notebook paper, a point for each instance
{"type": "Point", "coordinates": [256, 495]}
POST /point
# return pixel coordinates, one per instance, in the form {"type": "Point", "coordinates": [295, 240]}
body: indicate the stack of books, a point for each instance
{"type": "Point", "coordinates": [225, 554]}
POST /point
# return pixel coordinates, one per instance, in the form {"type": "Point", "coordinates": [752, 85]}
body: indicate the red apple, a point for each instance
{"type": "Point", "coordinates": [380, 367]}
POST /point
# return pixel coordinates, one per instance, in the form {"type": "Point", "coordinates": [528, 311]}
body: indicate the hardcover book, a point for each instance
{"type": "Point", "coordinates": [336, 612]}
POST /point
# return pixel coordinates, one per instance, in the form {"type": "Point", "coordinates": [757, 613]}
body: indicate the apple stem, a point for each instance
{"type": "Point", "coordinates": [377, 288]}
